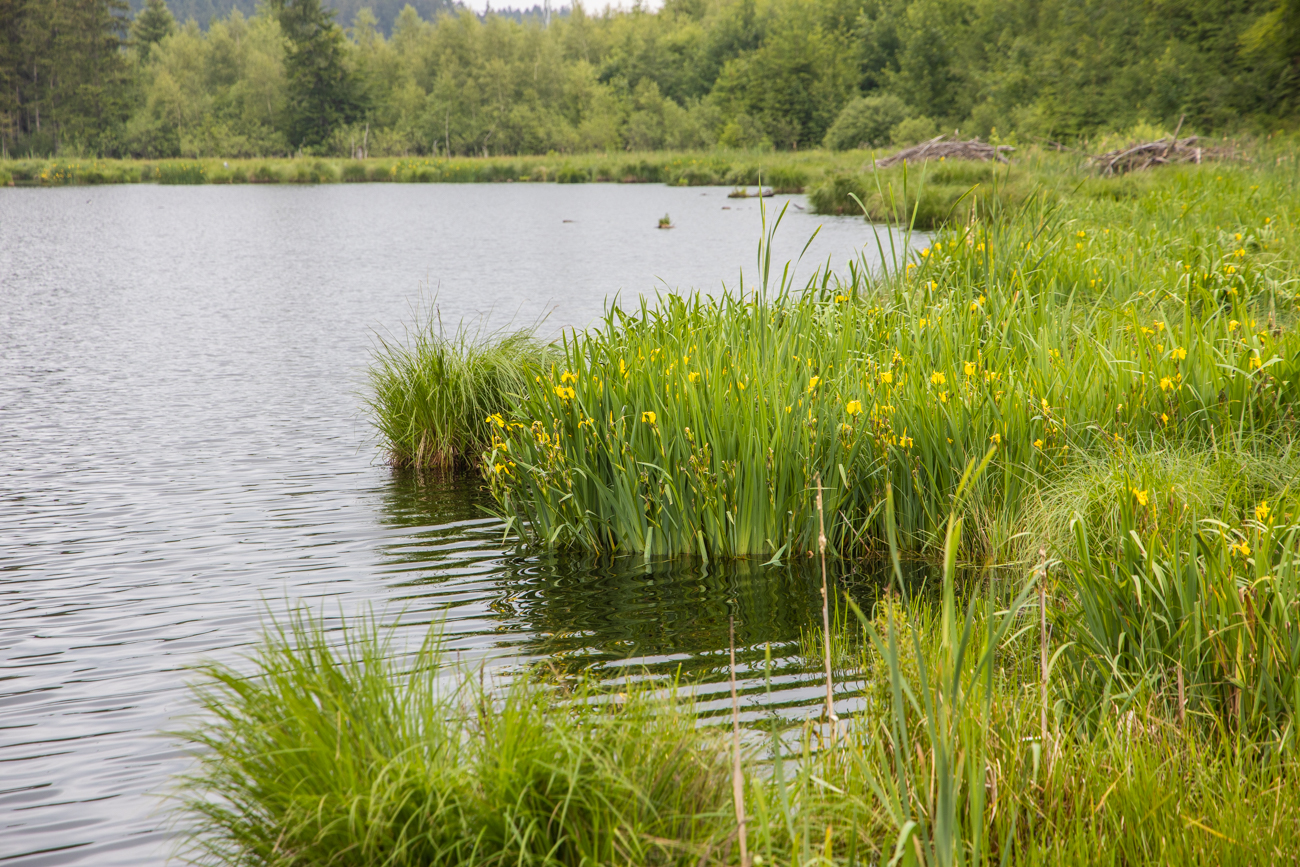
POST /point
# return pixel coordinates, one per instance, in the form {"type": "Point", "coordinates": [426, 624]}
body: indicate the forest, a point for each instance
{"type": "Point", "coordinates": [93, 78]}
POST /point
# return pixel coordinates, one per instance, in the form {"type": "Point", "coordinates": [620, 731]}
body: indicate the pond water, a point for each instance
{"type": "Point", "coordinates": [183, 453]}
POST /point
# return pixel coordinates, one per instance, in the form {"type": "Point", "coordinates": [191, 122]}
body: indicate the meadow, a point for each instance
{"type": "Point", "coordinates": [1076, 400]}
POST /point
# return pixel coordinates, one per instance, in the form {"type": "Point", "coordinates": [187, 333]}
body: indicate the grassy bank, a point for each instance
{"type": "Point", "coordinates": [786, 171]}
{"type": "Point", "coordinates": [1095, 338]}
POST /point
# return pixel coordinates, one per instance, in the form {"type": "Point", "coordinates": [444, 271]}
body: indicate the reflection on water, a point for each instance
{"type": "Point", "coordinates": [182, 453]}
{"type": "Point", "coordinates": [587, 611]}
{"type": "Point", "coordinates": [611, 615]}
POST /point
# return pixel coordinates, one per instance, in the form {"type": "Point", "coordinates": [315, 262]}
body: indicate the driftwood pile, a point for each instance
{"type": "Point", "coordinates": [1161, 152]}
{"type": "Point", "coordinates": [954, 150]}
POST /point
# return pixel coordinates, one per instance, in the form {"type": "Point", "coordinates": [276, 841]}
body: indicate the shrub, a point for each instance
{"type": "Point", "coordinates": [865, 122]}
{"type": "Point", "coordinates": [570, 174]}
{"type": "Point", "coordinates": [913, 130]}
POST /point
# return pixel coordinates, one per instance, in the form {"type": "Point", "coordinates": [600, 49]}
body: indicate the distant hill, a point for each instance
{"type": "Point", "coordinates": [386, 11]}
{"type": "Point", "coordinates": [533, 13]}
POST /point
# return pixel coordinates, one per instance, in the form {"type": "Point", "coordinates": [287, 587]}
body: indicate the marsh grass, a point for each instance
{"type": "Point", "coordinates": [1199, 618]}
{"type": "Point", "coordinates": [1224, 484]}
{"type": "Point", "coordinates": [336, 749]}
{"type": "Point", "coordinates": [786, 172]}
{"type": "Point", "coordinates": [696, 425]}
{"type": "Point", "coordinates": [431, 393]}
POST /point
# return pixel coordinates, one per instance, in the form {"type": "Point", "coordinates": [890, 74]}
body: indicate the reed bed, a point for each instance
{"type": "Point", "coordinates": [1058, 335]}
{"type": "Point", "coordinates": [786, 172]}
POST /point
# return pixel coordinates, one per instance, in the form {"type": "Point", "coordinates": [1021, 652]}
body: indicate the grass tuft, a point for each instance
{"type": "Point", "coordinates": [431, 395]}
{"type": "Point", "coordinates": [336, 750]}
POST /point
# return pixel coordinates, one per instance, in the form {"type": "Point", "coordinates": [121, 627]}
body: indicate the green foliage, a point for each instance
{"type": "Point", "coordinates": [867, 121]}
{"type": "Point", "coordinates": [223, 94]}
{"type": "Point", "coordinates": [913, 130]}
{"type": "Point", "coordinates": [434, 81]}
{"type": "Point", "coordinates": [65, 83]}
{"type": "Point", "coordinates": [154, 23]}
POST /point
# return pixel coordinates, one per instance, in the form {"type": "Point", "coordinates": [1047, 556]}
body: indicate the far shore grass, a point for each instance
{"type": "Point", "coordinates": [786, 171]}
{"type": "Point", "coordinates": [837, 182]}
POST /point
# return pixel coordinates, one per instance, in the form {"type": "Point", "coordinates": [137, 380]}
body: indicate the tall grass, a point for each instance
{"type": "Point", "coordinates": [1200, 619]}
{"type": "Point", "coordinates": [787, 172]}
{"type": "Point", "coordinates": [695, 426]}
{"type": "Point", "coordinates": [431, 394]}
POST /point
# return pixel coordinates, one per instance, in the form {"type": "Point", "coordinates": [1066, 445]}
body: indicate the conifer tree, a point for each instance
{"type": "Point", "coordinates": [322, 90]}
{"type": "Point", "coordinates": [154, 22]}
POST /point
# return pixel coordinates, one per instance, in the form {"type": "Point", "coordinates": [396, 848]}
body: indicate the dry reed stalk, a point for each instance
{"type": "Point", "coordinates": [1042, 650]}
{"type": "Point", "coordinates": [1182, 697]}
{"type": "Point", "coordinates": [737, 776]}
{"type": "Point", "coordinates": [826, 617]}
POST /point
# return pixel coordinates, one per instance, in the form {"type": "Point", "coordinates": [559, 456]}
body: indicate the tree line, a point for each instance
{"type": "Point", "coordinates": [88, 77]}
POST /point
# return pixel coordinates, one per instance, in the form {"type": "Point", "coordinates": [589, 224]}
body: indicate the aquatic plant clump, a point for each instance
{"type": "Point", "coordinates": [335, 752]}
{"type": "Point", "coordinates": [430, 395]}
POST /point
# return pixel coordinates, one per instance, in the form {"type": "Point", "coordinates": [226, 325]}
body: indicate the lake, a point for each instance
{"type": "Point", "coordinates": [183, 454]}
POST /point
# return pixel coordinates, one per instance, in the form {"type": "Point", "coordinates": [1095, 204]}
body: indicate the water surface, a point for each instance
{"type": "Point", "coordinates": [182, 452]}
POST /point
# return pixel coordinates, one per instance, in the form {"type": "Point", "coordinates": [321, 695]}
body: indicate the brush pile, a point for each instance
{"type": "Point", "coordinates": [937, 148]}
{"type": "Point", "coordinates": [1160, 152]}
